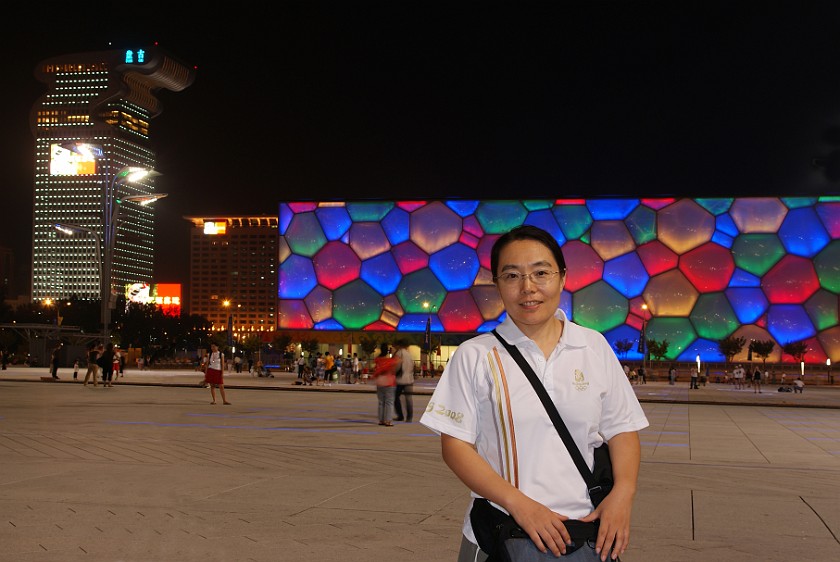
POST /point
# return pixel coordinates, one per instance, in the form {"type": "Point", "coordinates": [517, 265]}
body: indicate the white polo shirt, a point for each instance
{"type": "Point", "coordinates": [483, 398]}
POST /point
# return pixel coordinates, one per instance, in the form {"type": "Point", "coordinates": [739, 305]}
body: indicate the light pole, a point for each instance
{"type": "Point", "coordinates": [828, 366]}
{"type": "Point", "coordinates": [71, 229]}
{"type": "Point", "coordinates": [111, 202]}
{"type": "Point", "coordinates": [643, 345]}
{"type": "Point", "coordinates": [428, 339]}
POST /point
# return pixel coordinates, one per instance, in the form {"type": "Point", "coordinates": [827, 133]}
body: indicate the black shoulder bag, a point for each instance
{"type": "Point", "coordinates": [493, 528]}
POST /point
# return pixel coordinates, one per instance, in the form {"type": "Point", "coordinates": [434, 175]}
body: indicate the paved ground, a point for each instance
{"type": "Point", "coordinates": [149, 470]}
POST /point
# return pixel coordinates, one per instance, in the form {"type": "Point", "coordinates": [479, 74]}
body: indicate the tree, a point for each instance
{"type": "Point", "coordinates": [622, 347]}
{"type": "Point", "coordinates": [796, 350]}
{"type": "Point", "coordinates": [762, 349]}
{"type": "Point", "coordinates": [731, 346]}
{"type": "Point", "coordinates": [368, 345]}
{"type": "Point", "coordinates": [658, 349]}
{"type": "Point", "coordinates": [309, 346]}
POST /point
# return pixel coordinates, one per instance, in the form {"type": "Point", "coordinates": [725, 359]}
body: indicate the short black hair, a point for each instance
{"type": "Point", "coordinates": [526, 232]}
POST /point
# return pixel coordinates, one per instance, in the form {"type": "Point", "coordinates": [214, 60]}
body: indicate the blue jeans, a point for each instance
{"type": "Point", "coordinates": [471, 553]}
{"type": "Point", "coordinates": [385, 396]}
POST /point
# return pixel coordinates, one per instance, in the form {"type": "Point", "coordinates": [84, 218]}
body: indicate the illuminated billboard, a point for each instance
{"type": "Point", "coordinates": [760, 268]}
{"type": "Point", "coordinates": [166, 296]}
{"type": "Point", "coordinates": [66, 162]}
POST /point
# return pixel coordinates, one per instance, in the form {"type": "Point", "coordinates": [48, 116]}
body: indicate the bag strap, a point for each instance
{"type": "Point", "coordinates": [562, 430]}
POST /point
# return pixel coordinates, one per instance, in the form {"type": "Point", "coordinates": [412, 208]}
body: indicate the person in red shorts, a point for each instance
{"type": "Point", "coordinates": [214, 373]}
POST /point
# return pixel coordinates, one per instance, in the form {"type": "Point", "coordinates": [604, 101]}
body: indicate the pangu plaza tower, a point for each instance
{"type": "Point", "coordinates": [92, 133]}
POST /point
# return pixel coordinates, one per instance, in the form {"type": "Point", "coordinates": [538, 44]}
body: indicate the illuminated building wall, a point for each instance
{"type": "Point", "coordinates": [233, 260]}
{"type": "Point", "coordinates": [758, 268]}
{"type": "Point", "coordinates": [106, 99]}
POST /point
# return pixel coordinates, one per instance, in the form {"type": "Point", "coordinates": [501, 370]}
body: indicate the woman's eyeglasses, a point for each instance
{"type": "Point", "coordinates": [538, 277]}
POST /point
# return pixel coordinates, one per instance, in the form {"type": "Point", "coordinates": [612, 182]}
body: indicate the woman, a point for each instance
{"type": "Point", "coordinates": [495, 433]}
{"type": "Point", "coordinates": [385, 375]}
{"type": "Point", "coordinates": [213, 375]}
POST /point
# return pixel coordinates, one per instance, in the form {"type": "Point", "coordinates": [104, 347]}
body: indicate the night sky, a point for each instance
{"type": "Point", "coordinates": [359, 100]}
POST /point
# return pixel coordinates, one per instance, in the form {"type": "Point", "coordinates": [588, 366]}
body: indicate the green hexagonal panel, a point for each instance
{"type": "Point", "coordinates": [574, 220]}
{"type": "Point", "coordinates": [497, 217]}
{"type": "Point", "coordinates": [599, 307]}
{"type": "Point", "coordinates": [420, 287]}
{"type": "Point", "coordinates": [678, 331]}
{"type": "Point", "coordinates": [757, 253]}
{"type": "Point", "coordinates": [356, 305]}
{"type": "Point", "coordinates": [827, 265]}
{"type": "Point", "coordinates": [713, 317]}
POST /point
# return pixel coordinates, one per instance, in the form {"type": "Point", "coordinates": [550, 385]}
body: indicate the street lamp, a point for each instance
{"type": "Point", "coordinates": [828, 366]}
{"type": "Point", "coordinates": [104, 315]}
{"type": "Point", "coordinates": [111, 202]}
{"type": "Point", "coordinates": [643, 345]}
{"type": "Point", "coordinates": [230, 319]}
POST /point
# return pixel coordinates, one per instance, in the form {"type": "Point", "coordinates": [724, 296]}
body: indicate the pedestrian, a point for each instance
{"type": "Point", "coordinates": [75, 369]}
{"type": "Point", "coordinates": [319, 369]}
{"type": "Point", "coordinates": [237, 363]}
{"type": "Point", "coordinates": [672, 375]}
{"type": "Point", "coordinates": [116, 367]}
{"type": "Point", "coordinates": [54, 361]}
{"type": "Point", "coordinates": [483, 394]}
{"type": "Point", "coordinates": [106, 365]}
{"type": "Point", "coordinates": [694, 379]}
{"type": "Point", "coordinates": [757, 381]}
{"type": "Point", "coordinates": [329, 367]}
{"type": "Point", "coordinates": [385, 377]}
{"type": "Point", "coordinates": [642, 375]}
{"type": "Point", "coordinates": [214, 375]}
{"type": "Point", "coordinates": [405, 383]}
{"type": "Point", "coordinates": [798, 385]}
{"type": "Point", "coordinates": [357, 368]}
{"type": "Point", "coordinates": [93, 353]}
{"type": "Point", "coordinates": [301, 363]}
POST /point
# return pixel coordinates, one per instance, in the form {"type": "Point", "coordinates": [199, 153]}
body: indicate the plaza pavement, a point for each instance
{"type": "Point", "coordinates": [150, 471]}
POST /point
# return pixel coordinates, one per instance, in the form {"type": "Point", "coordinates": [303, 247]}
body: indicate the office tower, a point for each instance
{"type": "Point", "coordinates": [91, 129]}
{"type": "Point", "coordinates": [233, 272]}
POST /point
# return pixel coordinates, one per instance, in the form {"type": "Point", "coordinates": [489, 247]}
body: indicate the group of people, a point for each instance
{"type": "Point", "coordinates": [104, 363]}
{"type": "Point", "coordinates": [324, 368]}
{"type": "Point", "coordinates": [393, 375]}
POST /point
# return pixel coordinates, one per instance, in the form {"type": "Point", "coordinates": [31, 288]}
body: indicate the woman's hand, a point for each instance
{"type": "Point", "coordinates": [614, 512]}
{"type": "Point", "coordinates": [543, 526]}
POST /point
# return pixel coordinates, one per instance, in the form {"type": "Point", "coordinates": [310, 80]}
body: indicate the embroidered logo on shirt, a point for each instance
{"type": "Point", "coordinates": [580, 381]}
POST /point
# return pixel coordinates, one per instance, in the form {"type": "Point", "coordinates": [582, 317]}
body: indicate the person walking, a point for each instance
{"type": "Point", "coordinates": [214, 375]}
{"type": "Point", "coordinates": [385, 377]}
{"type": "Point", "coordinates": [75, 369]}
{"type": "Point", "coordinates": [483, 396]}
{"type": "Point", "coordinates": [405, 383]}
{"type": "Point", "coordinates": [672, 375]}
{"type": "Point", "coordinates": [642, 375]}
{"type": "Point", "coordinates": [92, 368]}
{"type": "Point", "coordinates": [694, 376]}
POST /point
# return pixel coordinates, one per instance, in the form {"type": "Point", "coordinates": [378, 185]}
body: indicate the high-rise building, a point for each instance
{"type": "Point", "coordinates": [233, 272]}
{"type": "Point", "coordinates": [92, 128]}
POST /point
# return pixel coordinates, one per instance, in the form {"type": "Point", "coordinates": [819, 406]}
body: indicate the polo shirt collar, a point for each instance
{"type": "Point", "coordinates": [573, 335]}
